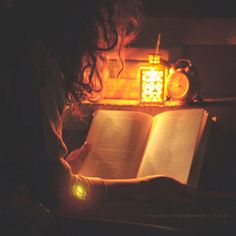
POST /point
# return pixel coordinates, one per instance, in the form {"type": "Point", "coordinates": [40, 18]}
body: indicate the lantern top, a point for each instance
{"type": "Point", "coordinates": [154, 59]}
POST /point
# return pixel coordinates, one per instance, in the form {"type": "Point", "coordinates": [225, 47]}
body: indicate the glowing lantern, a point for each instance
{"type": "Point", "coordinates": [153, 79]}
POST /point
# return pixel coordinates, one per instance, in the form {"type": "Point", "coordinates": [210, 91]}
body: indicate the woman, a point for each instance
{"type": "Point", "coordinates": [50, 52]}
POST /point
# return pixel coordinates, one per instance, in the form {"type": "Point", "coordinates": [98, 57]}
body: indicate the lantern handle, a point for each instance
{"type": "Point", "coordinates": [158, 44]}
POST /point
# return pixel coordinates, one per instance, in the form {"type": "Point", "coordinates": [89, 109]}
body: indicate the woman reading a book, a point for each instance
{"type": "Point", "coordinates": [50, 51]}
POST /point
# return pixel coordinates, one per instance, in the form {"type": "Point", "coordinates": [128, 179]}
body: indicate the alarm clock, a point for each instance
{"type": "Point", "coordinates": [183, 84]}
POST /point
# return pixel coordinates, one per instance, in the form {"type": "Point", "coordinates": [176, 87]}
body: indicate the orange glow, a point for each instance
{"type": "Point", "coordinates": [171, 71]}
{"type": "Point", "coordinates": [154, 59]}
{"type": "Point", "coordinates": [126, 90]}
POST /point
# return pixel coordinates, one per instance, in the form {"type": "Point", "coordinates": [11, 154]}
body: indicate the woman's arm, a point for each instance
{"type": "Point", "coordinates": [157, 190]}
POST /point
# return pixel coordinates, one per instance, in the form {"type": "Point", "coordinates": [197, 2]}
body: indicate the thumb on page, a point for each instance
{"type": "Point", "coordinates": [77, 157]}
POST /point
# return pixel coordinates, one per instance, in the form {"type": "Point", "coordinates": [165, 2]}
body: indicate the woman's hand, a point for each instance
{"type": "Point", "coordinates": [165, 190]}
{"type": "Point", "coordinates": [77, 157]}
{"type": "Point", "coordinates": [157, 190]}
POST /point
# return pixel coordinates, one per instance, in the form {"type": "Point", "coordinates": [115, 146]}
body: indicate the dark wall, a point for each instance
{"type": "Point", "coordinates": [216, 66]}
{"type": "Point", "coordinates": [190, 8]}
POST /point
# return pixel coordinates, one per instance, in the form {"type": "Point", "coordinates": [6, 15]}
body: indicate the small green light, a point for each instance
{"type": "Point", "coordinates": [79, 191]}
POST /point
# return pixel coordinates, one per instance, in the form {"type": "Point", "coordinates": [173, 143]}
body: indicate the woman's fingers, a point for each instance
{"type": "Point", "coordinates": [83, 151]}
{"type": "Point", "coordinates": [165, 190]}
{"type": "Point", "coordinates": [77, 157]}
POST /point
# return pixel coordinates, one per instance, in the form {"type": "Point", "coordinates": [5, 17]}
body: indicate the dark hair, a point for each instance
{"type": "Point", "coordinates": [86, 30]}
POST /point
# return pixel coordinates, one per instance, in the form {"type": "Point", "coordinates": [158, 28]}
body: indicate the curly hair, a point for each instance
{"type": "Point", "coordinates": [111, 24]}
{"type": "Point", "coordinates": [78, 33]}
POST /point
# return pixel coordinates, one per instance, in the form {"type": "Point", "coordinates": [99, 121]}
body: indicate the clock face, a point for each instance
{"type": "Point", "coordinates": [178, 86]}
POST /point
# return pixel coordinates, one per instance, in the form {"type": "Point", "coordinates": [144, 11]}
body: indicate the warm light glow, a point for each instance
{"type": "Point", "coordinates": [152, 84]}
{"type": "Point", "coordinates": [79, 191]}
{"type": "Point", "coordinates": [171, 71]}
{"type": "Point", "coordinates": [154, 59]}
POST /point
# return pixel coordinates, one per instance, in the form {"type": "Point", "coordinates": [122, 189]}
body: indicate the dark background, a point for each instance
{"type": "Point", "coordinates": [189, 8]}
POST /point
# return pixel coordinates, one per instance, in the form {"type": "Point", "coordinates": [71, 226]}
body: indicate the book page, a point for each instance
{"type": "Point", "coordinates": [200, 150]}
{"type": "Point", "coordinates": [171, 144]}
{"type": "Point", "coordinates": [118, 139]}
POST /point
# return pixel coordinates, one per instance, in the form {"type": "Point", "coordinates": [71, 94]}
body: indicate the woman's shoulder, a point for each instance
{"type": "Point", "coordinates": [43, 61]}
{"type": "Point", "coordinates": [49, 74]}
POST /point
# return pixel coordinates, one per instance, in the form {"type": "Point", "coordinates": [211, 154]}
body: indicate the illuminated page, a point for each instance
{"type": "Point", "coordinates": [171, 144]}
{"type": "Point", "coordinates": [118, 139]}
{"type": "Point", "coordinates": [200, 150]}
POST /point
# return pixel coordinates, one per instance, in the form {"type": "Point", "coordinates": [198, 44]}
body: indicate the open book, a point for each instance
{"type": "Point", "coordinates": [128, 144]}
